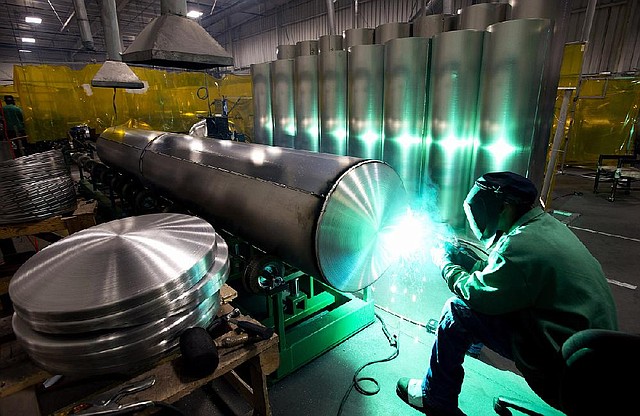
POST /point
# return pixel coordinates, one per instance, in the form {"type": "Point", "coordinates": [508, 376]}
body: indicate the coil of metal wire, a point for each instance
{"type": "Point", "coordinates": [35, 187]}
{"type": "Point", "coordinates": [116, 297]}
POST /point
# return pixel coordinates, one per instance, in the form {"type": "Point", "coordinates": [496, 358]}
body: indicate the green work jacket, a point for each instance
{"type": "Point", "coordinates": [13, 118]}
{"type": "Point", "coordinates": [541, 277]}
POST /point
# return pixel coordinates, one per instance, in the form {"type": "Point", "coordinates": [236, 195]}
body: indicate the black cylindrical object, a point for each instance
{"type": "Point", "coordinates": [199, 353]}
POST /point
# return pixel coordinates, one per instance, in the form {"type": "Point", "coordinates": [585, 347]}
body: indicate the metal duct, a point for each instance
{"type": "Point", "coordinates": [261, 90]}
{"type": "Point", "coordinates": [456, 59]}
{"type": "Point", "coordinates": [405, 87]}
{"type": "Point", "coordinates": [329, 43]}
{"type": "Point", "coordinates": [307, 47]}
{"type": "Point", "coordinates": [513, 62]}
{"type": "Point", "coordinates": [83, 24]}
{"type": "Point", "coordinates": [365, 97]}
{"type": "Point", "coordinates": [114, 73]}
{"type": "Point", "coordinates": [282, 108]}
{"type": "Point", "coordinates": [354, 37]}
{"type": "Point", "coordinates": [480, 16]}
{"type": "Point", "coordinates": [331, 17]}
{"type": "Point", "coordinates": [332, 86]}
{"type": "Point", "coordinates": [176, 41]}
{"type": "Point", "coordinates": [327, 215]}
{"type": "Point", "coordinates": [286, 51]}
{"type": "Point", "coordinates": [388, 31]}
{"type": "Point", "coordinates": [428, 26]}
{"type": "Point", "coordinates": [305, 91]}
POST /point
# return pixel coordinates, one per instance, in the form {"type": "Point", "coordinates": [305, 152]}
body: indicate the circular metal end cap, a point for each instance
{"type": "Point", "coordinates": [359, 213]}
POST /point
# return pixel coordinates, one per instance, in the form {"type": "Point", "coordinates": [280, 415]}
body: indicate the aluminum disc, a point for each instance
{"type": "Point", "coordinates": [113, 266]}
{"type": "Point", "coordinates": [359, 216]}
{"type": "Point", "coordinates": [171, 303]}
{"type": "Point", "coordinates": [112, 352]}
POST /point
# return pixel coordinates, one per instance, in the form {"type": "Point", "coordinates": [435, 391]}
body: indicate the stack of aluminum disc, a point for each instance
{"type": "Point", "coordinates": [116, 297]}
{"type": "Point", "coordinates": [35, 187]}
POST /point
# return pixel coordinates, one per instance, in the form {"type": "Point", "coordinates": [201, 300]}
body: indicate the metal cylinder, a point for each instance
{"type": "Point", "coordinates": [361, 36]}
{"type": "Point", "coordinates": [531, 9]}
{"type": "Point", "coordinates": [328, 219]}
{"type": "Point", "coordinates": [387, 31]}
{"type": "Point", "coordinates": [480, 16]}
{"type": "Point", "coordinates": [306, 103]}
{"type": "Point", "coordinates": [177, 7]}
{"type": "Point", "coordinates": [286, 51]}
{"type": "Point", "coordinates": [405, 87]}
{"type": "Point", "coordinates": [262, 118]}
{"type": "Point", "coordinates": [456, 59]}
{"type": "Point", "coordinates": [365, 99]}
{"type": "Point", "coordinates": [307, 47]}
{"type": "Point", "coordinates": [283, 110]}
{"type": "Point", "coordinates": [332, 86]}
{"type": "Point", "coordinates": [513, 61]}
{"type": "Point", "coordinates": [428, 26]}
{"type": "Point", "coordinates": [83, 24]}
{"type": "Point", "coordinates": [329, 43]}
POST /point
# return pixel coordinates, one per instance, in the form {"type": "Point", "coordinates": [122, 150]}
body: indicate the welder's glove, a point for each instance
{"type": "Point", "coordinates": [439, 257]}
{"type": "Point", "coordinates": [461, 256]}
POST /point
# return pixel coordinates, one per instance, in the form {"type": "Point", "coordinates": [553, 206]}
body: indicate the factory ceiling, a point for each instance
{"type": "Point", "coordinates": [48, 30]}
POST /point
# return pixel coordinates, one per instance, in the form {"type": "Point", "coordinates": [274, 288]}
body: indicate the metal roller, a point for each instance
{"type": "Point", "coordinates": [358, 36]}
{"type": "Point", "coordinates": [262, 118]}
{"type": "Point", "coordinates": [387, 31]}
{"type": "Point", "coordinates": [330, 43]}
{"type": "Point", "coordinates": [326, 215]}
{"type": "Point", "coordinates": [332, 86]}
{"type": "Point", "coordinates": [480, 16]}
{"type": "Point", "coordinates": [307, 47]}
{"type": "Point", "coordinates": [513, 61]}
{"type": "Point", "coordinates": [365, 97]}
{"type": "Point", "coordinates": [428, 26]}
{"type": "Point", "coordinates": [306, 103]}
{"type": "Point", "coordinates": [405, 88]}
{"type": "Point", "coordinates": [282, 108]}
{"type": "Point", "coordinates": [286, 51]}
{"type": "Point", "coordinates": [456, 59]}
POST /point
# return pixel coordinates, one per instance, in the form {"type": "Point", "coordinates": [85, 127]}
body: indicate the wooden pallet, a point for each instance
{"type": "Point", "coordinates": [18, 381]}
{"type": "Point", "coordinates": [83, 217]}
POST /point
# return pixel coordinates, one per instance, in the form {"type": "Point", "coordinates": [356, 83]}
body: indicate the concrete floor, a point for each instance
{"type": "Point", "coordinates": [611, 231]}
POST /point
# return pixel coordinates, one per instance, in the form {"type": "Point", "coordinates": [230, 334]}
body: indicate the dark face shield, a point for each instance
{"type": "Point", "coordinates": [483, 208]}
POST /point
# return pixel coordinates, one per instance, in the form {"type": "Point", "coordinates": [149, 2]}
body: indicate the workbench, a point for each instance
{"type": "Point", "coordinates": [18, 382]}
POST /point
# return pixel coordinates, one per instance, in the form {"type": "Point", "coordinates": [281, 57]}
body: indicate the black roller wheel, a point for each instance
{"type": "Point", "coordinates": [263, 273]}
{"type": "Point", "coordinates": [146, 202]}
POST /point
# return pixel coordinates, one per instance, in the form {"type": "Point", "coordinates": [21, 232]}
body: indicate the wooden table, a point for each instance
{"type": "Point", "coordinates": [262, 358]}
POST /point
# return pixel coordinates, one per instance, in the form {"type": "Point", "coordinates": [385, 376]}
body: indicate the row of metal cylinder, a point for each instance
{"type": "Point", "coordinates": [441, 109]}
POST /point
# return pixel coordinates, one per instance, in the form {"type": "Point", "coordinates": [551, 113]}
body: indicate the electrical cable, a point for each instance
{"type": "Point", "coordinates": [355, 383]}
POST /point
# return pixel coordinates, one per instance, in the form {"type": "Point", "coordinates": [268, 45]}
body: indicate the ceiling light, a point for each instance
{"type": "Point", "coordinates": [28, 40]}
{"type": "Point", "coordinates": [24, 50]}
{"type": "Point", "coordinates": [30, 19]}
{"type": "Point", "coordinates": [194, 14]}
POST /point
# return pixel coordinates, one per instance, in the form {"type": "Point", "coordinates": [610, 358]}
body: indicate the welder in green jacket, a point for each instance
{"type": "Point", "coordinates": [538, 286]}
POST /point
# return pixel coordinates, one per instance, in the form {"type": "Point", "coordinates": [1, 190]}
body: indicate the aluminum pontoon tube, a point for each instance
{"type": "Point", "coordinates": [327, 215]}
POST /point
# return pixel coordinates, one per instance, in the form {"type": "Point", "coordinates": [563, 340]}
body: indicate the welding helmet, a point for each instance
{"type": "Point", "coordinates": [486, 201]}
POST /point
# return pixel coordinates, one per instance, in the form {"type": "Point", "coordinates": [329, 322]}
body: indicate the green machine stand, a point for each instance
{"type": "Point", "coordinates": [309, 316]}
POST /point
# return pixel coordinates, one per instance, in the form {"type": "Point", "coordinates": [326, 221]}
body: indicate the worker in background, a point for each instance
{"type": "Point", "coordinates": [14, 123]}
{"type": "Point", "coordinates": [538, 286]}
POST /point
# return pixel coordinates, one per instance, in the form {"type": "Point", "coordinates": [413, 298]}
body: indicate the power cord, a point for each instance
{"type": "Point", "coordinates": [356, 383]}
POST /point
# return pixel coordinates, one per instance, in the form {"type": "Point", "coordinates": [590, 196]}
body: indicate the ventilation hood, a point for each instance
{"type": "Point", "coordinates": [114, 74]}
{"type": "Point", "coordinates": [174, 40]}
